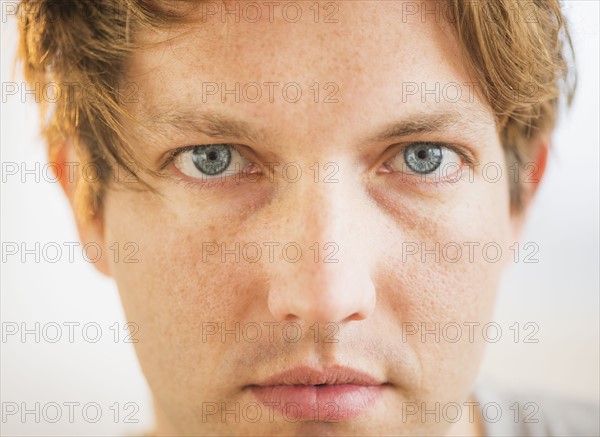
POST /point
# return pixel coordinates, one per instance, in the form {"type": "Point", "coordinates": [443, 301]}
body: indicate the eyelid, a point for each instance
{"type": "Point", "coordinates": [462, 151]}
{"type": "Point", "coordinates": [172, 154]}
{"type": "Point", "coordinates": [393, 150]}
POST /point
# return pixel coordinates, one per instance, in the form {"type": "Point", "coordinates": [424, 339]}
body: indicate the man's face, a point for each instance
{"type": "Point", "coordinates": [343, 265]}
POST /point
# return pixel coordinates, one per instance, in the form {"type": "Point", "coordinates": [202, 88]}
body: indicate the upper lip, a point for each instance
{"type": "Point", "coordinates": [334, 375]}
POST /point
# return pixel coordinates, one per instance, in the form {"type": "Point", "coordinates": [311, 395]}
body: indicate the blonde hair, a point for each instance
{"type": "Point", "coordinates": [512, 48]}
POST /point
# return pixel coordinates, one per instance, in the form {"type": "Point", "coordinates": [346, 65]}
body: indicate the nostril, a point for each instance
{"type": "Point", "coordinates": [354, 317]}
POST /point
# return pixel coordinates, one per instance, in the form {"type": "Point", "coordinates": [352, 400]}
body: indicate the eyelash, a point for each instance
{"type": "Point", "coordinates": [176, 152]}
{"type": "Point", "coordinates": [465, 155]}
{"type": "Point", "coordinates": [463, 152]}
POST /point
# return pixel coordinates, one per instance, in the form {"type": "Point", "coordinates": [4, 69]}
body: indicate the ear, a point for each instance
{"type": "Point", "coordinates": [90, 226]}
{"type": "Point", "coordinates": [530, 176]}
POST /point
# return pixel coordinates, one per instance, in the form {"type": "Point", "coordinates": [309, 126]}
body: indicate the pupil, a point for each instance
{"type": "Point", "coordinates": [213, 159]}
{"type": "Point", "coordinates": [423, 158]}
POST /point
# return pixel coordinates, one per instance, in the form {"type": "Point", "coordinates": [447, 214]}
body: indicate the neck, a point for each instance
{"type": "Point", "coordinates": [470, 423]}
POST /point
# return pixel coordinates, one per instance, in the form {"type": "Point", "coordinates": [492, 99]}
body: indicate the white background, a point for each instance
{"type": "Point", "coordinates": [559, 294]}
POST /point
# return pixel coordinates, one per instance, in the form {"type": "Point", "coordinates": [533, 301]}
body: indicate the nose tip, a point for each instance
{"type": "Point", "coordinates": [332, 294]}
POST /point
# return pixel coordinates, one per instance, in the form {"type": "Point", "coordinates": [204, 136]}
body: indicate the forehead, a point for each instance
{"type": "Point", "coordinates": [370, 55]}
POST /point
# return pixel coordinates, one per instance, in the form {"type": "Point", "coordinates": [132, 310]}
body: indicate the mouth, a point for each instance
{"type": "Point", "coordinates": [304, 393]}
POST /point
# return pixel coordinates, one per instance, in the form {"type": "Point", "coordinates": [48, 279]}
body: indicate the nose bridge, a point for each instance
{"type": "Point", "coordinates": [319, 208]}
{"type": "Point", "coordinates": [324, 211]}
{"type": "Point", "coordinates": [330, 282]}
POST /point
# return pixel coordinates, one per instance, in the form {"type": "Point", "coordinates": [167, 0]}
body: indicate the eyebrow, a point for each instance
{"type": "Point", "coordinates": [464, 119]}
{"type": "Point", "coordinates": [211, 124]}
{"type": "Point", "coordinates": [220, 126]}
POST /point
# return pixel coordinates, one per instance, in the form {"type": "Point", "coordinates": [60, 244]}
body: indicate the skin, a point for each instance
{"type": "Point", "coordinates": [367, 298]}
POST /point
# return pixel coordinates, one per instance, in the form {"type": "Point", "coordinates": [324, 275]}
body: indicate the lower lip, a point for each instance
{"type": "Point", "coordinates": [318, 402]}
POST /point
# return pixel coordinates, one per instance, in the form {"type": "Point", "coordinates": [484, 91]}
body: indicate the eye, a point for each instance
{"type": "Point", "coordinates": [426, 158]}
{"type": "Point", "coordinates": [209, 161]}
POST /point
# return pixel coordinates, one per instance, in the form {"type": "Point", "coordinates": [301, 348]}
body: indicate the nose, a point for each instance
{"type": "Point", "coordinates": [330, 279]}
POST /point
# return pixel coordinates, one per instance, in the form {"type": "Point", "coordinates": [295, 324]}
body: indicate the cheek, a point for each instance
{"type": "Point", "coordinates": [171, 292]}
{"type": "Point", "coordinates": [440, 265]}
